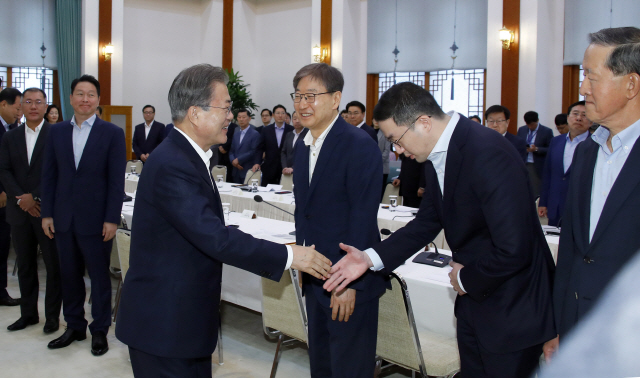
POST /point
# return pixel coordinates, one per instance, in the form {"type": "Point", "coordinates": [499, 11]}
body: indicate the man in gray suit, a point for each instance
{"type": "Point", "coordinates": [289, 144]}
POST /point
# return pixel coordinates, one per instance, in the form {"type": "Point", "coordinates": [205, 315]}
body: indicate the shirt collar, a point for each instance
{"type": "Point", "coordinates": [308, 139]}
{"type": "Point", "coordinates": [149, 125]}
{"type": "Point", "coordinates": [4, 123]}
{"type": "Point", "coordinates": [536, 130]}
{"type": "Point", "coordinates": [298, 133]}
{"type": "Point", "coordinates": [204, 155]}
{"type": "Point", "coordinates": [626, 137]}
{"type": "Point", "coordinates": [443, 142]}
{"type": "Point", "coordinates": [89, 122]}
{"type": "Point", "coordinates": [579, 138]}
{"type": "Point", "coordinates": [37, 130]}
{"type": "Point", "coordinates": [279, 128]}
{"type": "Point", "coordinates": [360, 124]}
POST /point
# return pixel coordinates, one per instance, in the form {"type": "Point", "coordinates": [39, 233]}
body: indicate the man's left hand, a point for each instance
{"type": "Point", "coordinates": [109, 230]}
{"type": "Point", "coordinates": [532, 148]}
{"type": "Point", "coordinates": [343, 303]}
{"type": "Point", "coordinates": [26, 201]}
{"type": "Point", "coordinates": [453, 277]}
{"type": "Point", "coordinates": [256, 167]}
{"type": "Point", "coordinates": [3, 199]}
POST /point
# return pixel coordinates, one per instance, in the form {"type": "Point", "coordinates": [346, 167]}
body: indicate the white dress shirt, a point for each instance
{"type": "Point", "coordinates": [314, 147]}
{"type": "Point", "coordinates": [360, 124]}
{"type": "Point", "coordinates": [206, 156]}
{"type": "Point", "coordinates": [32, 136]}
{"type": "Point", "coordinates": [80, 136]}
{"type": "Point", "coordinates": [608, 166]}
{"type": "Point", "coordinates": [570, 148]}
{"type": "Point", "coordinates": [438, 157]}
{"type": "Point", "coordinates": [147, 128]}
{"type": "Point", "coordinates": [296, 135]}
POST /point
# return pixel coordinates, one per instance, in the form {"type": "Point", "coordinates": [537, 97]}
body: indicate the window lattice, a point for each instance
{"type": "Point", "coordinates": [29, 77]}
{"type": "Point", "coordinates": [386, 80]}
{"type": "Point", "coordinates": [3, 77]}
{"type": "Point", "coordinates": [459, 90]}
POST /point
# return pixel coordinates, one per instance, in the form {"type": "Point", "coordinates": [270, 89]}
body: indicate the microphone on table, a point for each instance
{"type": "Point", "coordinates": [433, 258]}
{"type": "Point", "coordinates": [386, 232]}
{"type": "Point", "coordinates": [258, 198]}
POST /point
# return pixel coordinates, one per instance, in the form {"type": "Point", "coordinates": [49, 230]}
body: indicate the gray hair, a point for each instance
{"type": "Point", "coordinates": [624, 59]}
{"type": "Point", "coordinates": [404, 103]}
{"type": "Point", "coordinates": [328, 76]}
{"type": "Point", "coordinates": [193, 87]}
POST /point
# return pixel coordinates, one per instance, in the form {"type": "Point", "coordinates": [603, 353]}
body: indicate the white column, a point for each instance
{"type": "Point", "coordinates": [316, 12]}
{"type": "Point", "coordinates": [493, 84]}
{"type": "Point", "coordinates": [90, 53]}
{"type": "Point", "coordinates": [117, 59]}
{"type": "Point", "coordinates": [211, 33]}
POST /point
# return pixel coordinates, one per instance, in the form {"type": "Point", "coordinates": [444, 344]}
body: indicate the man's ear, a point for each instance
{"type": "Point", "coordinates": [337, 97]}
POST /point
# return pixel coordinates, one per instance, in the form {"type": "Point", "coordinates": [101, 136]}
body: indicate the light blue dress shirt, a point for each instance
{"type": "Point", "coordinates": [279, 132]}
{"type": "Point", "coordinates": [570, 148]}
{"type": "Point", "coordinates": [243, 133]}
{"type": "Point", "coordinates": [80, 136]}
{"type": "Point", "coordinates": [608, 166]}
{"type": "Point", "coordinates": [4, 124]}
{"type": "Point", "coordinates": [531, 139]}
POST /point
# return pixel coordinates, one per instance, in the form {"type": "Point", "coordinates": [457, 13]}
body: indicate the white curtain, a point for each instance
{"type": "Point", "coordinates": [21, 33]}
{"type": "Point", "coordinates": [425, 33]}
{"type": "Point", "coordinates": [582, 17]}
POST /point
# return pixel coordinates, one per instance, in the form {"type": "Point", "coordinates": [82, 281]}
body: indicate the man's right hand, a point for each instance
{"type": "Point", "coordinates": [354, 264]}
{"type": "Point", "coordinates": [308, 260]}
{"type": "Point", "coordinates": [287, 171]}
{"type": "Point", "coordinates": [236, 163]}
{"type": "Point", "coordinates": [550, 348]}
{"type": "Point", "coordinates": [542, 211]}
{"type": "Point", "coordinates": [3, 199]}
{"type": "Point", "coordinates": [396, 182]}
{"type": "Point", "coordinates": [222, 150]}
{"type": "Point", "coordinates": [47, 226]}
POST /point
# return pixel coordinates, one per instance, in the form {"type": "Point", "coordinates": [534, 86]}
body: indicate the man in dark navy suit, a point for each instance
{"type": "Point", "coordinates": [600, 224]}
{"type": "Point", "coordinates": [21, 156]}
{"type": "Point", "coordinates": [169, 312]}
{"type": "Point", "coordinates": [10, 104]}
{"type": "Point", "coordinates": [478, 192]}
{"type": "Point", "coordinates": [355, 115]}
{"type": "Point", "coordinates": [147, 135]}
{"type": "Point", "coordinates": [337, 192]}
{"type": "Point", "coordinates": [82, 186]}
{"type": "Point", "coordinates": [273, 137]}
{"type": "Point", "coordinates": [557, 168]}
{"type": "Point", "coordinates": [538, 138]}
{"type": "Point", "coordinates": [497, 118]}
{"type": "Point", "coordinates": [289, 145]}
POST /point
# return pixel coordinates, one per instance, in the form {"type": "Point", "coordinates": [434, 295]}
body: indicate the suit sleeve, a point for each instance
{"type": "Point", "coordinates": [115, 180]}
{"type": "Point", "coordinates": [544, 146]}
{"type": "Point", "coordinates": [284, 152]}
{"type": "Point", "coordinates": [49, 179]}
{"type": "Point", "coordinates": [134, 142]}
{"type": "Point", "coordinates": [250, 155]}
{"type": "Point", "coordinates": [9, 183]}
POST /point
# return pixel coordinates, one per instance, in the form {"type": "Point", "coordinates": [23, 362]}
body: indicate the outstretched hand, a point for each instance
{"type": "Point", "coordinates": [308, 260]}
{"type": "Point", "coordinates": [348, 269]}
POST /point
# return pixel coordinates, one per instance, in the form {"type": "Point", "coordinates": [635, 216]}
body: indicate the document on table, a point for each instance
{"type": "Point", "coordinates": [276, 238]}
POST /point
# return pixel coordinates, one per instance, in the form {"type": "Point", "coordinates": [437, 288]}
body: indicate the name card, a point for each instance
{"type": "Point", "coordinates": [249, 214]}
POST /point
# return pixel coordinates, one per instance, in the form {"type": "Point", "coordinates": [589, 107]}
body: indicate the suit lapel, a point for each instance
{"type": "Point", "coordinates": [326, 152]}
{"type": "Point", "coordinates": [454, 161]}
{"type": "Point", "coordinates": [67, 144]}
{"type": "Point", "coordinates": [92, 142]}
{"type": "Point", "coordinates": [22, 146]}
{"type": "Point", "coordinates": [40, 142]}
{"type": "Point", "coordinates": [585, 184]}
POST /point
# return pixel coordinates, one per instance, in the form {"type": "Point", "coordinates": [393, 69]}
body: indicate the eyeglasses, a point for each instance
{"type": "Point", "coordinates": [148, 112]}
{"type": "Point", "coordinates": [227, 108]}
{"type": "Point", "coordinates": [491, 122]}
{"type": "Point", "coordinates": [308, 97]}
{"type": "Point", "coordinates": [37, 102]}
{"type": "Point", "coordinates": [354, 113]}
{"type": "Point", "coordinates": [397, 141]}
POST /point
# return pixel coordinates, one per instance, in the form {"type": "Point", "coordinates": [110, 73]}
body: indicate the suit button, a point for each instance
{"type": "Point", "coordinates": [588, 260]}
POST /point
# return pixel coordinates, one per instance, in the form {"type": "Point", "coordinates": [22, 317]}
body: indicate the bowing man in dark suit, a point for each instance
{"type": "Point", "coordinates": [355, 114]}
{"type": "Point", "coordinates": [478, 192]}
{"type": "Point", "coordinates": [600, 222]}
{"type": "Point", "coordinates": [337, 191]}
{"type": "Point", "coordinates": [273, 137]}
{"type": "Point", "coordinates": [538, 138]}
{"type": "Point", "coordinates": [497, 118]}
{"type": "Point", "coordinates": [557, 168]}
{"type": "Point", "coordinates": [20, 171]}
{"type": "Point", "coordinates": [245, 154]}
{"type": "Point", "coordinates": [147, 135]}
{"type": "Point", "coordinates": [169, 307]}
{"type": "Point", "coordinates": [82, 186]}
{"type": "Point", "coordinates": [289, 145]}
{"type": "Point", "coordinates": [9, 110]}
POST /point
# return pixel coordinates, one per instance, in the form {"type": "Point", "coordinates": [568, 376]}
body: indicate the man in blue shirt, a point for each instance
{"type": "Point", "coordinates": [538, 138]}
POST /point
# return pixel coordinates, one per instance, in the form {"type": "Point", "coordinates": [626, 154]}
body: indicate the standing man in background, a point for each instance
{"type": "Point", "coordinates": [356, 113]}
{"type": "Point", "coordinates": [289, 147]}
{"type": "Point", "coordinates": [147, 135]}
{"type": "Point", "coordinates": [273, 137]}
{"type": "Point", "coordinates": [244, 153]}
{"type": "Point", "coordinates": [538, 138]}
{"type": "Point", "coordinates": [498, 120]}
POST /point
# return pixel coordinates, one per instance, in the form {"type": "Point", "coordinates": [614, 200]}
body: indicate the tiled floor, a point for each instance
{"type": "Point", "coordinates": [247, 351]}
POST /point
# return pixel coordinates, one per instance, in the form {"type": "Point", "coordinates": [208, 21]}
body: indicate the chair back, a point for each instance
{"type": "Point", "coordinates": [219, 170]}
{"type": "Point", "coordinates": [252, 176]}
{"type": "Point", "coordinates": [282, 308]}
{"type": "Point", "coordinates": [391, 190]}
{"type": "Point", "coordinates": [287, 182]}
{"type": "Point", "coordinates": [130, 186]}
{"type": "Point", "coordinates": [138, 165]}
{"type": "Point", "coordinates": [123, 239]}
{"type": "Point", "coordinates": [114, 264]}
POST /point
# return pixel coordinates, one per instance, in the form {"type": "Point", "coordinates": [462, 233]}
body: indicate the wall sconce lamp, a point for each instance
{"type": "Point", "coordinates": [507, 37]}
{"type": "Point", "coordinates": [319, 54]}
{"type": "Point", "coordinates": [107, 51]}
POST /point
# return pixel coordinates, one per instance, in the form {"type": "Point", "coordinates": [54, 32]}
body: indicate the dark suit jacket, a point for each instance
{"type": "Point", "coordinates": [371, 131]}
{"type": "Point", "coordinates": [519, 143]}
{"type": "Point", "coordinates": [16, 173]}
{"type": "Point", "coordinates": [2, 131]}
{"type": "Point", "coordinates": [585, 268]}
{"type": "Point", "coordinates": [91, 194]}
{"type": "Point", "coordinates": [171, 295]}
{"type": "Point", "coordinates": [491, 225]}
{"type": "Point", "coordinates": [341, 203]}
{"type": "Point", "coordinates": [272, 166]}
{"type": "Point", "coordinates": [555, 182]}
{"type": "Point", "coordinates": [145, 145]}
{"type": "Point", "coordinates": [246, 152]}
{"type": "Point", "coordinates": [542, 140]}
{"type": "Point", "coordinates": [411, 173]}
{"type": "Point", "coordinates": [288, 149]}
{"type": "Point", "coordinates": [167, 129]}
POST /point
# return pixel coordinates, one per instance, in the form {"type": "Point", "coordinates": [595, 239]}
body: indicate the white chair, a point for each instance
{"type": "Point", "coordinates": [283, 311]}
{"type": "Point", "coordinates": [219, 170]}
{"type": "Point", "coordinates": [137, 163]}
{"type": "Point", "coordinates": [391, 190]}
{"type": "Point", "coordinates": [257, 175]}
{"type": "Point", "coordinates": [287, 182]}
{"type": "Point", "coordinates": [400, 343]}
{"type": "Point", "coordinates": [123, 243]}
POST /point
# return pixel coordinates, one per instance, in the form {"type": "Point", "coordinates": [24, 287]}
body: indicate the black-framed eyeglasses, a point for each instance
{"type": "Point", "coordinates": [308, 97]}
{"type": "Point", "coordinates": [396, 142]}
{"type": "Point", "coordinates": [227, 108]}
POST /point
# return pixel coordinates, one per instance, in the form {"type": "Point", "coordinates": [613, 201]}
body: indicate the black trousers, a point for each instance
{"type": "Point", "coordinates": [342, 349]}
{"type": "Point", "coordinates": [146, 365]}
{"type": "Point", "coordinates": [26, 238]}
{"type": "Point", "coordinates": [477, 362]}
{"type": "Point", "coordinates": [77, 252]}
{"type": "Point", "coordinates": [5, 244]}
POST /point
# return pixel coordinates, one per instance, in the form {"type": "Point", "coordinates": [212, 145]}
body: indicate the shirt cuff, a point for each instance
{"type": "Point", "coordinates": [375, 259]}
{"type": "Point", "coordinates": [289, 257]}
{"type": "Point", "coordinates": [460, 282]}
